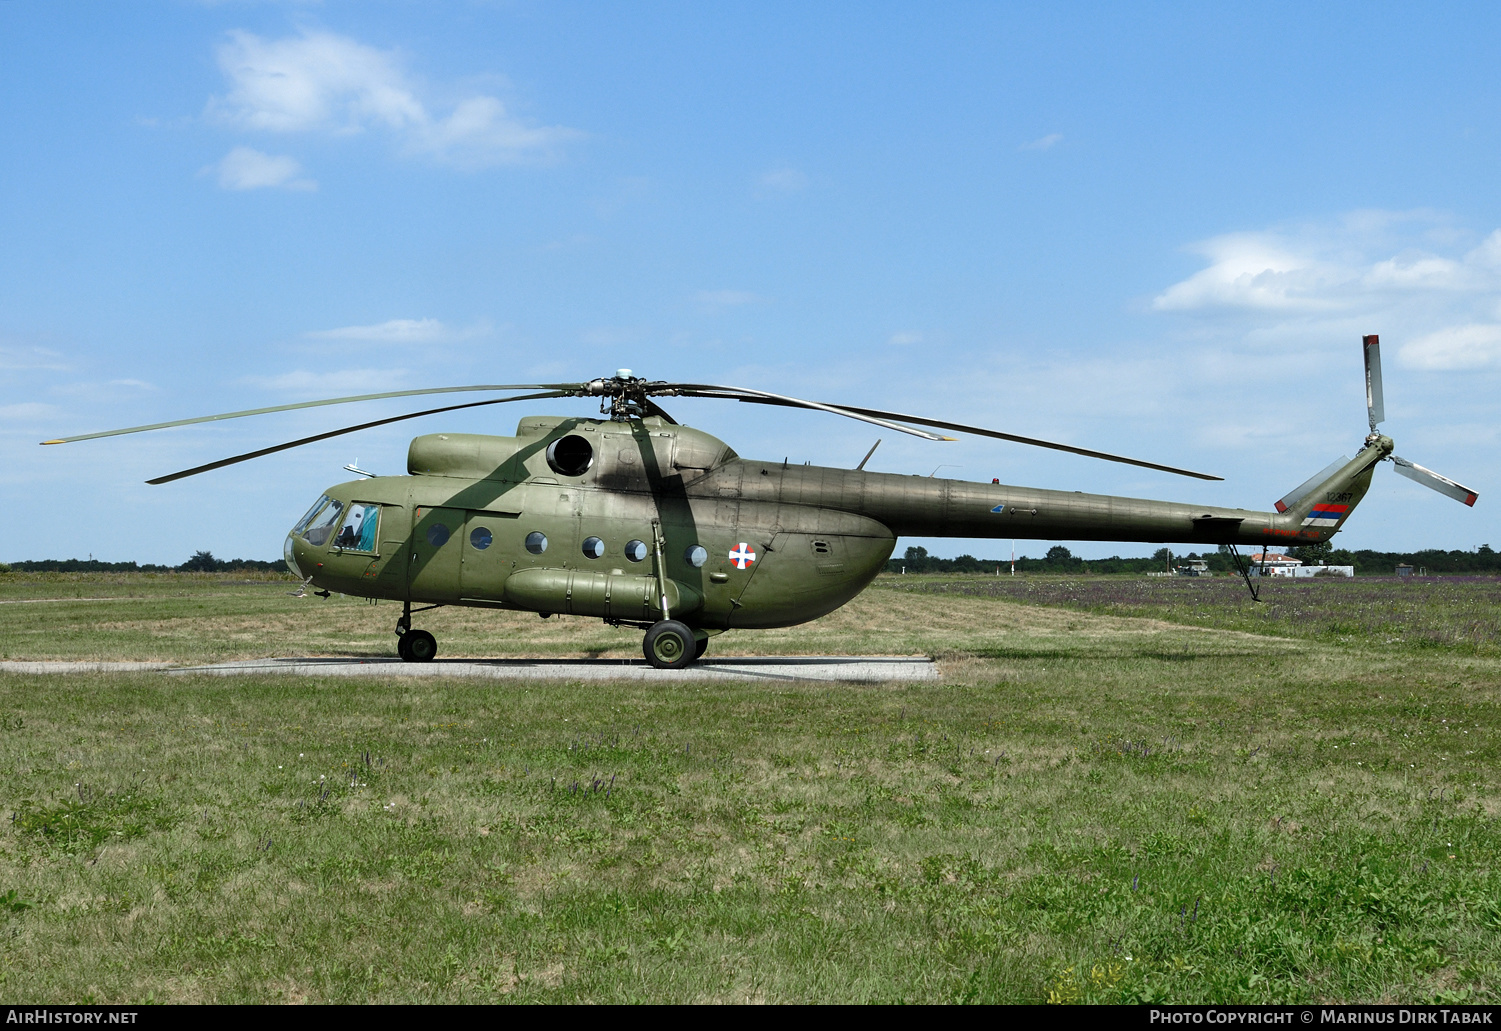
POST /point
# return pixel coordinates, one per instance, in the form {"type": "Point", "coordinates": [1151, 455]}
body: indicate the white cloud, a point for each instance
{"type": "Point", "coordinates": [322, 82]}
{"type": "Point", "coordinates": [717, 299]}
{"type": "Point", "coordinates": [14, 359]}
{"type": "Point", "coordinates": [784, 180]}
{"type": "Point", "coordinates": [394, 331]}
{"type": "Point", "coordinates": [1473, 346]}
{"type": "Point", "coordinates": [247, 169]}
{"type": "Point", "coordinates": [314, 81]}
{"type": "Point", "coordinates": [94, 391]}
{"type": "Point", "coordinates": [333, 384]}
{"type": "Point", "coordinates": [902, 339]}
{"type": "Point", "coordinates": [1488, 254]}
{"type": "Point", "coordinates": [26, 410]}
{"type": "Point", "coordinates": [1252, 270]}
{"type": "Point", "coordinates": [480, 132]}
{"type": "Point", "coordinates": [1416, 271]}
{"type": "Point", "coordinates": [1368, 260]}
{"type": "Point", "coordinates": [1046, 143]}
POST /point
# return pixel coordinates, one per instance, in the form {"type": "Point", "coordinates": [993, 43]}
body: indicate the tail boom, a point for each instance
{"type": "Point", "coordinates": [912, 506]}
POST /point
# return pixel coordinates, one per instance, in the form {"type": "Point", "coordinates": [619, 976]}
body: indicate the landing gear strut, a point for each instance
{"type": "Point", "coordinates": [414, 645]}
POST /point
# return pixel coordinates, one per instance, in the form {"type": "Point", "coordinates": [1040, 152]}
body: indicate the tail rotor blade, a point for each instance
{"type": "Point", "coordinates": [1433, 481]}
{"type": "Point", "coordinates": [1375, 406]}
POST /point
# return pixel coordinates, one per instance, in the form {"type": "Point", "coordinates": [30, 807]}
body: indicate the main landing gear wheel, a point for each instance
{"type": "Point", "coordinates": [700, 648]}
{"type": "Point", "coordinates": [670, 645]}
{"type": "Point", "coordinates": [417, 646]}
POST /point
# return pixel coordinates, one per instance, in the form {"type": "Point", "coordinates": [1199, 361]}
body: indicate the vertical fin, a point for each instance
{"type": "Point", "coordinates": [1322, 504]}
{"type": "Point", "coordinates": [1302, 490]}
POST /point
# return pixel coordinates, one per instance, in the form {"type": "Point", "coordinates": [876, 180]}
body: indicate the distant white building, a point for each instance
{"type": "Point", "coordinates": [1266, 563]}
{"type": "Point", "coordinates": [1271, 564]}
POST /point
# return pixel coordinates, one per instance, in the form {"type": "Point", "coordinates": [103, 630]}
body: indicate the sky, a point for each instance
{"type": "Point", "coordinates": [1158, 230]}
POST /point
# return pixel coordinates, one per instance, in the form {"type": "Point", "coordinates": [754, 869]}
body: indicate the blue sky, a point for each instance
{"type": "Point", "coordinates": [1160, 232]}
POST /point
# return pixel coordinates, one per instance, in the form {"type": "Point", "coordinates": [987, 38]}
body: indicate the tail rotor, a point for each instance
{"type": "Point", "coordinates": [1376, 408]}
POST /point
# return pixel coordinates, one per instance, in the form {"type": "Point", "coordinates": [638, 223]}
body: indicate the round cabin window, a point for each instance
{"type": "Point", "coordinates": [594, 547]}
{"type": "Point", "coordinates": [481, 538]}
{"type": "Point", "coordinates": [437, 535]}
{"type": "Point", "coordinates": [570, 456]}
{"type": "Point", "coordinates": [696, 556]}
{"type": "Point", "coordinates": [636, 551]}
{"type": "Point", "coordinates": [536, 542]}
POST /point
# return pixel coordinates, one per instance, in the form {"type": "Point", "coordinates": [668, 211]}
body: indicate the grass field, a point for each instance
{"type": "Point", "coordinates": [1156, 796]}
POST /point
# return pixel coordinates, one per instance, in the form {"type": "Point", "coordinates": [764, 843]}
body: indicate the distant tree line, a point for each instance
{"type": "Point", "coordinates": [201, 562]}
{"type": "Point", "coordinates": [1059, 559]}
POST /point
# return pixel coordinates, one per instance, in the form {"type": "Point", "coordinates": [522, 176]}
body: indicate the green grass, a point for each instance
{"type": "Point", "coordinates": [1088, 808]}
{"type": "Point", "coordinates": [1459, 614]}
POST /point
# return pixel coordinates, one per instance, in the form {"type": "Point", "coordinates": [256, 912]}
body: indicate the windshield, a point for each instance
{"type": "Point", "coordinates": [323, 523]}
{"type": "Point", "coordinates": [302, 523]}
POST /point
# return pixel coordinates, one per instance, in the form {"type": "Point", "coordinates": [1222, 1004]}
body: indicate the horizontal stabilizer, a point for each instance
{"type": "Point", "coordinates": [1302, 490]}
{"type": "Point", "coordinates": [1433, 481]}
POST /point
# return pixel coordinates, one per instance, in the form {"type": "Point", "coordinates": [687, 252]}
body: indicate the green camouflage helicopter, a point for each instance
{"type": "Point", "coordinates": [642, 522]}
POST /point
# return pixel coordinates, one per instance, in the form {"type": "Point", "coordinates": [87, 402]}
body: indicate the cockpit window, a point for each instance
{"type": "Point", "coordinates": [321, 527]}
{"type": "Point", "coordinates": [358, 531]}
{"type": "Point", "coordinates": [302, 524]}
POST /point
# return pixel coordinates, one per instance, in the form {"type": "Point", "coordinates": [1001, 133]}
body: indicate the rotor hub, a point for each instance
{"type": "Point", "coordinates": [623, 396]}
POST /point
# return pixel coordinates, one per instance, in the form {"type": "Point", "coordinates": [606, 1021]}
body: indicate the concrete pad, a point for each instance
{"type": "Point", "coordinates": [816, 668]}
{"type": "Point", "coordinates": [81, 667]}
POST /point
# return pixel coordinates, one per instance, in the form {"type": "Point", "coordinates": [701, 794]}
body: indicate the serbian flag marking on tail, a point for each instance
{"type": "Point", "coordinates": [1326, 515]}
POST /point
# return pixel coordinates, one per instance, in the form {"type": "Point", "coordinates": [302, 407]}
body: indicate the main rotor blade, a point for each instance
{"type": "Point", "coordinates": [877, 415]}
{"type": "Point", "coordinates": [314, 404]}
{"type": "Point", "coordinates": [959, 427]}
{"type": "Point", "coordinates": [1375, 405]}
{"type": "Point", "coordinates": [763, 397]}
{"type": "Point", "coordinates": [338, 433]}
{"type": "Point", "coordinates": [1432, 480]}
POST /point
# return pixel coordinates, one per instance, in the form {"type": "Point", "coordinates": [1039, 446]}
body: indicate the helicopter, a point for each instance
{"type": "Point", "coordinates": [642, 522]}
